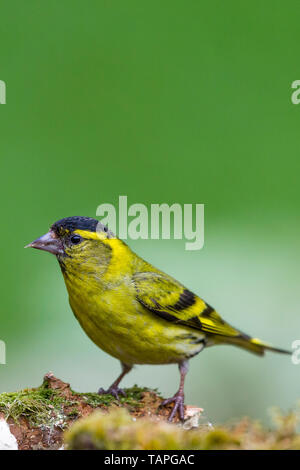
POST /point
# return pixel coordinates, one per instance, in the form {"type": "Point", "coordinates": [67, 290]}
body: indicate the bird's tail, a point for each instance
{"type": "Point", "coordinates": [255, 345]}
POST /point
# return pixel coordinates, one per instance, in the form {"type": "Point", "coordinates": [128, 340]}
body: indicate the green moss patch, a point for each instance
{"type": "Point", "coordinates": [117, 430]}
{"type": "Point", "coordinates": [132, 398]}
{"type": "Point", "coordinates": [40, 406]}
{"type": "Point", "coordinates": [55, 404]}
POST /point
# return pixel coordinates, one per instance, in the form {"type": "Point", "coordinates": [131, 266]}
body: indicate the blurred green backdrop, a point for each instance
{"type": "Point", "coordinates": [167, 101]}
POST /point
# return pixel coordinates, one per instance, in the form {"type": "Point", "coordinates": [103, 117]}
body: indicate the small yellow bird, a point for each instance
{"type": "Point", "coordinates": [132, 310]}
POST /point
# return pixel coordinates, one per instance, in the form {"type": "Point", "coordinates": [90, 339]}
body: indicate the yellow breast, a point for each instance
{"type": "Point", "coordinates": [119, 325]}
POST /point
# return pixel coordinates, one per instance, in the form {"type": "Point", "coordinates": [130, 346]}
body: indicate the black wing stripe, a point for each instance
{"type": "Point", "coordinates": [193, 322]}
{"type": "Point", "coordinates": [207, 311]}
{"type": "Point", "coordinates": [186, 300]}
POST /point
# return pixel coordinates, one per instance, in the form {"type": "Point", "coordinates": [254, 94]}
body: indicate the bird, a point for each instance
{"type": "Point", "coordinates": [132, 310]}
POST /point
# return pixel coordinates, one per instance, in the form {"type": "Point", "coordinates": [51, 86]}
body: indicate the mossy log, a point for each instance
{"type": "Point", "coordinates": [53, 416]}
{"type": "Point", "coordinates": [39, 416]}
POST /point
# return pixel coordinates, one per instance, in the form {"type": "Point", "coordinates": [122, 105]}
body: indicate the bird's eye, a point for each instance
{"type": "Point", "coordinates": [75, 239]}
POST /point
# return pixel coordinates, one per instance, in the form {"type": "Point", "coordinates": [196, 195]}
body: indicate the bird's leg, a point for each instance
{"type": "Point", "coordinates": [114, 389]}
{"type": "Point", "coordinates": [178, 398]}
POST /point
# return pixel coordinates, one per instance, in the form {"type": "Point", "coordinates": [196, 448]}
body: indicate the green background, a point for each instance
{"type": "Point", "coordinates": [162, 101]}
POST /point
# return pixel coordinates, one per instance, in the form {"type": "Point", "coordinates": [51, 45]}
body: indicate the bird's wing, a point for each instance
{"type": "Point", "coordinates": [168, 299]}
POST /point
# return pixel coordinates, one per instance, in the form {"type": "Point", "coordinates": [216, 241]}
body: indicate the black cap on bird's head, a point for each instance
{"type": "Point", "coordinates": [76, 223]}
{"type": "Point", "coordinates": [70, 229]}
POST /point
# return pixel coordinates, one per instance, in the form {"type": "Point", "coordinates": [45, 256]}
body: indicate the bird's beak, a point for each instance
{"type": "Point", "coordinates": [48, 242]}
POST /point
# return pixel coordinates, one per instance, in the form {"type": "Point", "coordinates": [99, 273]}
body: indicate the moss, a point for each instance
{"type": "Point", "coordinates": [44, 405]}
{"type": "Point", "coordinates": [220, 439]}
{"type": "Point", "coordinates": [117, 430]}
{"type": "Point", "coordinates": [286, 425]}
{"type": "Point", "coordinates": [54, 407]}
{"type": "Point", "coordinates": [95, 400]}
{"type": "Point", "coordinates": [41, 406]}
{"type": "Point", "coordinates": [55, 404]}
{"type": "Point", "coordinates": [132, 398]}
{"type": "Point", "coordinates": [74, 413]}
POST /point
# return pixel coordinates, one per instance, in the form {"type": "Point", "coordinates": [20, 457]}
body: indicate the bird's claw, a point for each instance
{"type": "Point", "coordinates": [178, 407]}
{"type": "Point", "coordinates": [114, 391]}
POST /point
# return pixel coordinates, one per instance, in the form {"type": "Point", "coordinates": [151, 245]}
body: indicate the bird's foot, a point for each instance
{"type": "Point", "coordinates": [178, 407]}
{"type": "Point", "coordinates": [113, 390]}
